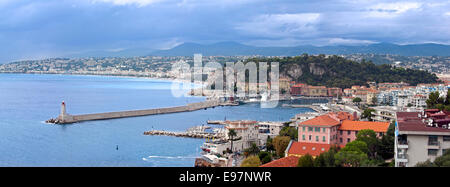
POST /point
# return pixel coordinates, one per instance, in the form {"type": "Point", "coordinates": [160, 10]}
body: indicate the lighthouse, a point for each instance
{"type": "Point", "coordinates": [63, 116]}
{"type": "Point", "coordinates": [63, 109]}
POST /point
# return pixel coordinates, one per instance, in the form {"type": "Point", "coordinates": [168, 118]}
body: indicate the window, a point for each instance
{"type": "Point", "coordinates": [304, 129]}
{"type": "Point", "coordinates": [433, 140]}
{"type": "Point", "coordinates": [323, 138]}
{"type": "Point", "coordinates": [445, 151]}
{"type": "Point", "coordinates": [356, 132]}
{"type": "Point", "coordinates": [310, 137]}
{"type": "Point", "coordinates": [340, 132]}
{"type": "Point", "coordinates": [310, 129]}
{"type": "Point", "coordinates": [446, 138]}
{"type": "Point", "coordinates": [340, 140]}
{"type": "Point", "coordinates": [349, 132]}
{"type": "Point", "coordinates": [303, 137]}
{"type": "Point", "coordinates": [432, 152]}
{"type": "Point", "coordinates": [348, 140]}
{"type": "Point", "coordinates": [324, 130]}
{"type": "Point", "coordinates": [317, 129]}
{"type": "Point", "coordinates": [317, 138]}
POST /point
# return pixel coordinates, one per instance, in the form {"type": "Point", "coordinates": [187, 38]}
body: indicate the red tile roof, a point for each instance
{"type": "Point", "coordinates": [329, 119]}
{"type": "Point", "coordinates": [361, 125]}
{"type": "Point", "coordinates": [323, 120]}
{"type": "Point", "coordinates": [410, 121]}
{"type": "Point", "coordinates": [302, 148]}
{"type": "Point", "coordinates": [290, 161]}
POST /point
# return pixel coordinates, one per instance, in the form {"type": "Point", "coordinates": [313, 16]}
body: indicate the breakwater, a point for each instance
{"type": "Point", "coordinates": [65, 118]}
{"type": "Point", "coordinates": [185, 134]}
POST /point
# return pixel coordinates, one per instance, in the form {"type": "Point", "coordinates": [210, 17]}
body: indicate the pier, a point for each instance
{"type": "Point", "coordinates": [65, 118]}
{"type": "Point", "coordinates": [202, 135]}
{"type": "Point", "coordinates": [313, 107]}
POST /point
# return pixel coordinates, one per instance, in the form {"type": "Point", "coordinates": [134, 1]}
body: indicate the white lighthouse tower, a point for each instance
{"type": "Point", "coordinates": [63, 116]}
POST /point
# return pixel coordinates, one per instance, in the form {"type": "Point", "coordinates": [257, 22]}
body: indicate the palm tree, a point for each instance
{"type": "Point", "coordinates": [231, 134]}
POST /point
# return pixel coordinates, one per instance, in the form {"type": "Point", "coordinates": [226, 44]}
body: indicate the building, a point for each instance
{"type": "Point", "coordinates": [285, 85]}
{"type": "Point", "coordinates": [323, 128]}
{"type": "Point", "coordinates": [349, 129]}
{"type": "Point", "coordinates": [299, 149]}
{"type": "Point", "coordinates": [317, 91]}
{"type": "Point", "coordinates": [247, 133]}
{"type": "Point", "coordinates": [335, 92]}
{"type": "Point", "coordinates": [336, 128]}
{"type": "Point", "coordinates": [290, 161]}
{"type": "Point", "coordinates": [299, 89]}
{"type": "Point", "coordinates": [420, 136]}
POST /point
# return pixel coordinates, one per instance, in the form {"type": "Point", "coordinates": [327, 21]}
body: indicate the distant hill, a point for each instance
{"type": "Point", "coordinates": [335, 71]}
{"type": "Point", "coordinates": [236, 49]}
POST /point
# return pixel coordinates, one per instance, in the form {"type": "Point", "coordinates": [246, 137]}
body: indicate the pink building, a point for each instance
{"type": "Point", "coordinates": [348, 130]}
{"type": "Point", "coordinates": [336, 128]}
{"type": "Point", "coordinates": [322, 129]}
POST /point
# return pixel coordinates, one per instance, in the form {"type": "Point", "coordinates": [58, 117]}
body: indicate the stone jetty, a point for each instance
{"type": "Point", "coordinates": [184, 134]}
{"type": "Point", "coordinates": [65, 118]}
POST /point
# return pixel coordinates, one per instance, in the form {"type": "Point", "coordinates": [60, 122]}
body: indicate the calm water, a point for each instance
{"type": "Point", "coordinates": [28, 100]}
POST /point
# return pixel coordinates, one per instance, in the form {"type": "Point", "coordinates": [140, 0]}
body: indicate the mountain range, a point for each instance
{"type": "Point", "coordinates": [237, 49]}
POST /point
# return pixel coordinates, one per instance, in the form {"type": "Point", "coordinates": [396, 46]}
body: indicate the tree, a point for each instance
{"type": "Point", "coordinates": [370, 138]}
{"type": "Point", "coordinates": [386, 149]}
{"type": "Point", "coordinates": [289, 131]}
{"type": "Point", "coordinates": [374, 100]}
{"type": "Point", "coordinates": [280, 144]}
{"type": "Point", "coordinates": [351, 158]}
{"type": "Point", "coordinates": [357, 100]}
{"type": "Point", "coordinates": [357, 145]}
{"type": "Point", "coordinates": [433, 100]}
{"type": "Point", "coordinates": [251, 161]}
{"type": "Point", "coordinates": [252, 150]}
{"type": "Point", "coordinates": [426, 163]}
{"type": "Point", "coordinates": [269, 144]}
{"type": "Point", "coordinates": [265, 157]}
{"type": "Point", "coordinates": [306, 161]}
{"type": "Point", "coordinates": [368, 114]}
{"type": "Point", "coordinates": [231, 134]}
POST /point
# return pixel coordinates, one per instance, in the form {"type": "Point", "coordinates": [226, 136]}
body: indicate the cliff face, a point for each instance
{"type": "Point", "coordinates": [334, 71]}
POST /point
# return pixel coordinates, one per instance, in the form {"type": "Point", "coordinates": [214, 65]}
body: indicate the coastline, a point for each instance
{"type": "Point", "coordinates": [111, 75]}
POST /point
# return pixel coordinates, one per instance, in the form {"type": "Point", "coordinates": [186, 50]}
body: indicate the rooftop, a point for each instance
{"type": "Point", "coordinates": [290, 161]}
{"type": "Point", "coordinates": [414, 121]}
{"type": "Point", "coordinates": [302, 148]}
{"type": "Point", "coordinates": [361, 125]}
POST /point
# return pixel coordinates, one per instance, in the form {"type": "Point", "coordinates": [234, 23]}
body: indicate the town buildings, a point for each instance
{"type": "Point", "coordinates": [336, 128]}
{"type": "Point", "coordinates": [421, 136]}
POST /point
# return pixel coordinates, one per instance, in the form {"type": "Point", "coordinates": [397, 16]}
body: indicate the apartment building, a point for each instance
{"type": "Point", "coordinates": [420, 136]}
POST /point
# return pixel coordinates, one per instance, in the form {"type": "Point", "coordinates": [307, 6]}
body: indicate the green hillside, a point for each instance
{"type": "Point", "coordinates": [335, 71]}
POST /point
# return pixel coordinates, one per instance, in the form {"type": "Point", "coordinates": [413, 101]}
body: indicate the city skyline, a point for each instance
{"type": "Point", "coordinates": [49, 28]}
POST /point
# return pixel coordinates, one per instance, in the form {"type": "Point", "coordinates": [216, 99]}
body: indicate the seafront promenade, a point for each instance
{"type": "Point", "coordinates": [65, 118]}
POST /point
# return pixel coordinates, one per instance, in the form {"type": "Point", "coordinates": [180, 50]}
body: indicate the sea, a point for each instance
{"type": "Point", "coordinates": [27, 100]}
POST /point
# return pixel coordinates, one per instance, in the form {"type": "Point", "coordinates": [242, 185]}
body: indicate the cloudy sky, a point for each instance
{"type": "Point", "coordinates": [50, 28]}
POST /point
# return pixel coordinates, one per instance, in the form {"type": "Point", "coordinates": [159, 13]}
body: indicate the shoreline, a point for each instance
{"type": "Point", "coordinates": [173, 80]}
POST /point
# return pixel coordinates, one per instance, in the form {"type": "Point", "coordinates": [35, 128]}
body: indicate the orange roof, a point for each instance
{"type": "Point", "coordinates": [361, 125]}
{"type": "Point", "coordinates": [302, 148]}
{"type": "Point", "coordinates": [329, 119]}
{"type": "Point", "coordinates": [343, 115]}
{"type": "Point", "coordinates": [323, 120]}
{"type": "Point", "coordinates": [290, 161]}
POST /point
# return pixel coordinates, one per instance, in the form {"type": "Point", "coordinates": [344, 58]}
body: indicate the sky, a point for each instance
{"type": "Point", "coordinates": [35, 29]}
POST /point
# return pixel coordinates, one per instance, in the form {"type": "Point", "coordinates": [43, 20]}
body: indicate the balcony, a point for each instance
{"type": "Point", "coordinates": [403, 144]}
{"type": "Point", "coordinates": [402, 158]}
{"type": "Point", "coordinates": [434, 145]}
